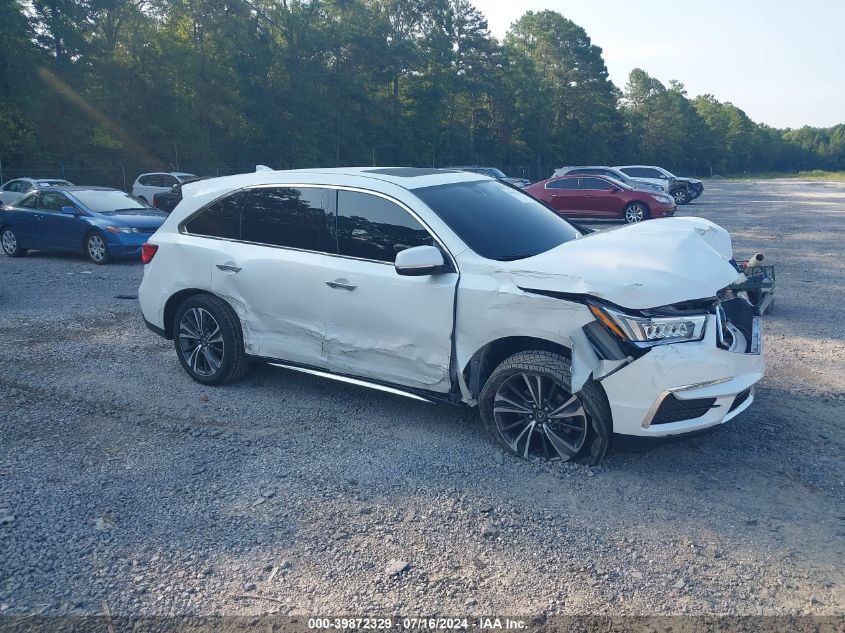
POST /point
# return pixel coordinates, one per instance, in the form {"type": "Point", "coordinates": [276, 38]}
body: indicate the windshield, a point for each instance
{"type": "Point", "coordinates": [496, 220]}
{"type": "Point", "coordinates": [108, 201]}
{"type": "Point", "coordinates": [53, 183]}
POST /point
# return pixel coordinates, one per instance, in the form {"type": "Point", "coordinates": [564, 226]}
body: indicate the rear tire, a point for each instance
{"type": "Point", "coordinates": [527, 407]}
{"type": "Point", "coordinates": [635, 212]}
{"type": "Point", "coordinates": [11, 245]}
{"type": "Point", "coordinates": [209, 341]}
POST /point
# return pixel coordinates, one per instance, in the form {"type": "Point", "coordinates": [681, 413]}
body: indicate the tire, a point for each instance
{"type": "Point", "coordinates": [11, 245]}
{"type": "Point", "coordinates": [681, 196]}
{"type": "Point", "coordinates": [526, 428]}
{"type": "Point", "coordinates": [635, 212]}
{"type": "Point", "coordinates": [97, 248]}
{"type": "Point", "coordinates": [212, 352]}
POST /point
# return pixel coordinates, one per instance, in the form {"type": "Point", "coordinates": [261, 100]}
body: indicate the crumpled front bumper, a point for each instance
{"type": "Point", "coordinates": [686, 371]}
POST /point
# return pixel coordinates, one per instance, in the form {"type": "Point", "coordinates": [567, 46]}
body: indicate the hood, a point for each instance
{"type": "Point", "coordinates": [646, 265]}
{"type": "Point", "coordinates": [694, 181]}
{"type": "Point", "coordinates": [519, 182]}
{"type": "Point", "coordinates": [139, 219]}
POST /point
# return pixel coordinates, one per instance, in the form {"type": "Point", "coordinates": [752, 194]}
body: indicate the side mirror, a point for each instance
{"type": "Point", "coordinates": [418, 261]}
{"type": "Point", "coordinates": [68, 210]}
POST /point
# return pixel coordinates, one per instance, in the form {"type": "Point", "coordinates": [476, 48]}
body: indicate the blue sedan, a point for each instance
{"type": "Point", "coordinates": [99, 222]}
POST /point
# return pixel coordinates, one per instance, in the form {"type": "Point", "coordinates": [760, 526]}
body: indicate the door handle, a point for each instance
{"type": "Point", "coordinates": [341, 283]}
{"type": "Point", "coordinates": [229, 268]}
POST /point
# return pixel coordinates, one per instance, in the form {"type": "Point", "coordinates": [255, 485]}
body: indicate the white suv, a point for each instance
{"type": "Point", "coordinates": [451, 286]}
{"type": "Point", "coordinates": [148, 185]}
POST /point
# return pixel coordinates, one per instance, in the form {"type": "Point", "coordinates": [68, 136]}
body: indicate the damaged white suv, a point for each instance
{"type": "Point", "coordinates": [451, 286]}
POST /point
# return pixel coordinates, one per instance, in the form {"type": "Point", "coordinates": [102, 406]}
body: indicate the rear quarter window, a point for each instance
{"type": "Point", "coordinates": [219, 219]}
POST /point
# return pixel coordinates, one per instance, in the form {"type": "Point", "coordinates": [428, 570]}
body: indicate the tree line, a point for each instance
{"type": "Point", "coordinates": [152, 84]}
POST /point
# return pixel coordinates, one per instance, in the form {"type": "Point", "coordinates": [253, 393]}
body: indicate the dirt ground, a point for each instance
{"type": "Point", "coordinates": [124, 482]}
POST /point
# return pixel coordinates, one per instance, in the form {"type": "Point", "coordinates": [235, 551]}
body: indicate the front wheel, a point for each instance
{"type": "Point", "coordinates": [96, 248]}
{"type": "Point", "coordinates": [528, 408]}
{"type": "Point", "coordinates": [209, 341]}
{"type": "Point", "coordinates": [635, 212]}
{"type": "Point", "coordinates": [681, 196]}
{"type": "Point", "coordinates": [11, 246]}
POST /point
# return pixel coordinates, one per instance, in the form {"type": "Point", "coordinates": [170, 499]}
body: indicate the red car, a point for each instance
{"type": "Point", "coordinates": [601, 197]}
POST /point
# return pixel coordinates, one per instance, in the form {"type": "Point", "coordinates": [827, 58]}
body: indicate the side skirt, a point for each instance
{"type": "Point", "coordinates": [422, 395]}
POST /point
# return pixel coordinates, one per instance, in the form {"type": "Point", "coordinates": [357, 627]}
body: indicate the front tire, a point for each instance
{"type": "Point", "coordinates": [208, 339]}
{"type": "Point", "coordinates": [681, 196]}
{"type": "Point", "coordinates": [635, 212]}
{"type": "Point", "coordinates": [527, 407]}
{"type": "Point", "coordinates": [97, 248]}
{"type": "Point", "coordinates": [11, 245]}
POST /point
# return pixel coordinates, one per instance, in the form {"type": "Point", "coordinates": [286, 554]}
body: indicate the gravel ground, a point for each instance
{"type": "Point", "coordinates": [121, 480]}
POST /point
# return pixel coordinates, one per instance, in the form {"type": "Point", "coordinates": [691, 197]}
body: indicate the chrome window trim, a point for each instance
{"type": "Point", "coordinates": [182, 230]}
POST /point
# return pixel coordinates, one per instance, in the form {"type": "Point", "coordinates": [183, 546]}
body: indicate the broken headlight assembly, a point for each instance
{"type": "Point", "coordinates": [646, 330]}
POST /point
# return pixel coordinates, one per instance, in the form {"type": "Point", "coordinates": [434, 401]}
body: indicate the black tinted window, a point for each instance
{"type": "Point", "coordinates": [497, 221]}
{"type": "Point", "coordinates": [563, 183]}
{"type": "Point", "coordinates": [282, 216]}
{"type": "Point", "coordinates": [374, 228]}
{"type": "Point", "coordinates": [593, 184]}
{"type": "Point", "coordinates": [220, 219]}
{"type": "Point", "coordinates": [635, 172]}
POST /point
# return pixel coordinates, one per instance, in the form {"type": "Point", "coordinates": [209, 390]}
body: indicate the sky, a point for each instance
{"type": "Point", "coordinates": [781, 61]}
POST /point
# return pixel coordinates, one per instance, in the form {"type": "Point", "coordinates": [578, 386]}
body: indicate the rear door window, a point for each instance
{"type": "Point", "coordinates": [371, 227]}
{"type": "Point", "coordinates": [220, 219]}
{"type": "Point", "coordinates": [29, 202]}
{"type": "Point", "coordinates": [284, 216]}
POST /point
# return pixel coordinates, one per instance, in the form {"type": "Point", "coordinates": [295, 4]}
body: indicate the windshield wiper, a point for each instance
{"type": "Point", "coordinates": [132, 209]}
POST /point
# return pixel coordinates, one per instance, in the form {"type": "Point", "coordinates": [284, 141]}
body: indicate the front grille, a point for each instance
{"type": "Point", "coordinates": [741, 397]}
{"type": "Point", "coordinates": [674, 410]}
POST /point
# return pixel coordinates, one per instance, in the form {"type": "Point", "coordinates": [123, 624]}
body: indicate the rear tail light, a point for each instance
{"type": "Point", "coordinates": [155, 200]}
{"type": "Point", "coordinates": [148, 251]}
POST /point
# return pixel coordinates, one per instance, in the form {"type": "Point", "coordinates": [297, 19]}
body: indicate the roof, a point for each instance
{"type": "Point", "coordinates": [77, 188]}
{"type": "Point", "coordinates": [405, 177]}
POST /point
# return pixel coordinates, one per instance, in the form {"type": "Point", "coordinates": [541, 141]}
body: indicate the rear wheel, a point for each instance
{"type": "Point", "coordinates": [11, 246]}
{"type": "Point", "coordinates": [635, 212]}
{"type": "Point", "coordinates": [96, 248]}
{"type": "Point", "coordinates": [527, 406]}
{"type": "Point", "coordinates": [209, 341]}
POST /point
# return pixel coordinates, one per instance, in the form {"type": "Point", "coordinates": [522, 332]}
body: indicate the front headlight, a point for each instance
{"type": "Point", "coordinates": [663, 199]}
{"type": "Point", "coordinates": [645, 331]}
{"type": "Point", "coordinates": [122, 229]}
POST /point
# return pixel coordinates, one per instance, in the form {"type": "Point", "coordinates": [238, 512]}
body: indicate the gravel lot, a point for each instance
{"type": "Point", "coordinates": [121, 480]}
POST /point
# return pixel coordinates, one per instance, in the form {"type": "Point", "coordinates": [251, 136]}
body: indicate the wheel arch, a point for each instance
{"type": "Point", "coordinates": [482, 363]}
{"type": "Point", "coordinates": [172, 305]}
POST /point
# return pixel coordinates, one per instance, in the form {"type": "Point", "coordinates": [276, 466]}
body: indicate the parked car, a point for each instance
{"type": "Point", "coordinates": [609, 172]}
{"type": "Point", "coordinates": [601, 198]}
{"type": "Point", "coordinates": [14, 190]}
{"type": "Point", "coordinates": [99, 222]}
{"type": "Point", "coordinates": [454, 287]}
{"type": "Point", "coordinates": [168, 200]}
{"type": "Point", "coordinates": [684, 190]}
{"type": "Point", "coordinates": [493, 172]}
{"type": "Point", "coordinates": [147, 185]}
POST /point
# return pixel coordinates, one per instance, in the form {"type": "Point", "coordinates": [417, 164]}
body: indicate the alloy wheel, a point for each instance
{"type": "Point", "coordinates": [634, 213]}
{"type": "Point", "coordinates": [96, 248]}
{"type": "Point", "coordinates": [538, 418]}
{"type": "Point", "coordinates": [201, 341]}
{"type": "Point", "coordinates": [10, 242]}
{"type": "Point", "coordinates": [680, 196]}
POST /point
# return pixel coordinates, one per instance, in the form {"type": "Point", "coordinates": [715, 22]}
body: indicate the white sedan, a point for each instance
{"type": "Point", "coordinates": [14, 190]}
